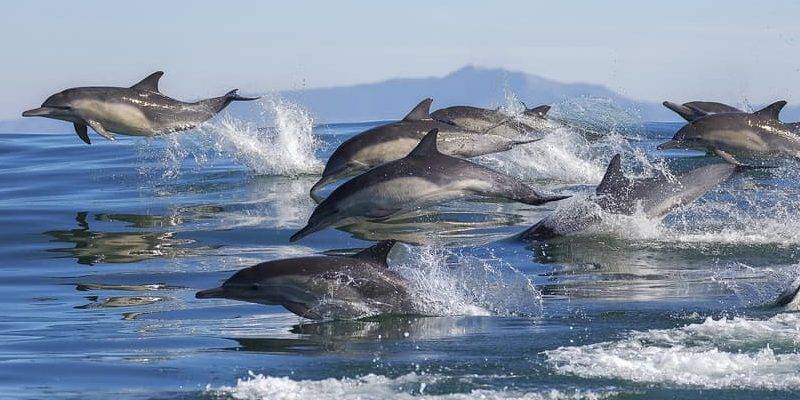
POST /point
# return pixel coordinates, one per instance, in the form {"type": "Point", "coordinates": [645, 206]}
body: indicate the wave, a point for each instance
{"type": "Point", "coordinates": [375, 387]}
{"type": "Point", "coordinates": [736, 353]}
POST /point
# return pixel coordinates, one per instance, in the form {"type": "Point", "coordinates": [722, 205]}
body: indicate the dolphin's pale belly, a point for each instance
{"type": "Point", "coordinates": [743, 141]}
{"type": "Point", "coordinates": [403, 194]}
{"type": "Point", "coordinates": [121, 118]}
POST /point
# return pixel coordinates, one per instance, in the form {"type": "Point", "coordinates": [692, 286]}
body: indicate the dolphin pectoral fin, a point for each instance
{"type": "Point", "coordinates": [381, 214]}
{"type": "Point", "coordinates": [83, 133]}
{"type": "Point", "coordinates": [100, 130]}
{"type": "Point", "coordinates": [740, 166]}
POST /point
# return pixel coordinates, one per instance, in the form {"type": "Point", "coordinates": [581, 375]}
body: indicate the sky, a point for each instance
{"type": "Point", "coordinates": [677, 50]}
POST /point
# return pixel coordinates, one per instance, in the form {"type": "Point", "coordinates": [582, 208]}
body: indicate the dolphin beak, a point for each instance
{"type": "Point", "coordinates": [672, 144]}
{"type": "Point", "coordinates": [38, 112]}
{"type": "Point", "coordinates": [215, 293]}
{"type": "Point", "coordinates": [320, 184]}
{"type": "Point", "coordinates": [307, 230]}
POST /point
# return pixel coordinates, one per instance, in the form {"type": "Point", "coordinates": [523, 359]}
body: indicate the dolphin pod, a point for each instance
{"type": "Point", "coordinates": [417, 162]}
{"type": "Point", "coordinates": [139, 110]}
{"type": "Point", "coordinates": [392, 141]}
{"type": "Point", "coordinates": [422, 178]}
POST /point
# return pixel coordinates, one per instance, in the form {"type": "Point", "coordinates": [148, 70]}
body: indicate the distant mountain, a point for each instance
{"type": "Point", "coordinates": [469, 85]}
{"type": "Point", "coordinates": [391, 99]}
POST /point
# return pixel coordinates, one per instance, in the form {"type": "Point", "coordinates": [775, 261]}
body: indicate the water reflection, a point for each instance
{"type": "Point", "coordinates": [91, 246]}
{"type": "Point", "coordinates": [337, 336]}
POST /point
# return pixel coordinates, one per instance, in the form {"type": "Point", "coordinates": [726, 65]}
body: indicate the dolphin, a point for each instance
{"type": "Point", "coordinates": [393, 141]}
{"type": "Point", "coordinates": [738, 133]}
{"type": "Point", "coordinates": [695, 109]}
{"type": "Point", "coordinates": [140, 110]}
{"type": "Point", "coordinates": [422, 178]}
{"type": "Point", "coordinates": [653, 197]}
{"type": "Point", "coordinates": [494, 121]}
{"type": "Point", "coordinates": [320, 287]}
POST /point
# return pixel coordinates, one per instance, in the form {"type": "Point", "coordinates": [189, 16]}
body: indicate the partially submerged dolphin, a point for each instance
{"type": "Point", "coordinates": [739, 133]}
{"type": "Point", "coordinates": [652, 197]}
{"type": "Point", "coordinates": [422, 178]}
{"type": "Point", "coordinates": [392, 141]}
{"type": "Point", "coordinates": [695, 109]}
{"type": "Point", "coordinates": [478, 119]}
{"type": "Point", "coordinates": [140, 110]}
{"type": "Point", "coordinates": [789, 299]}
{"type": "Point", "coordinates": [320, 287]}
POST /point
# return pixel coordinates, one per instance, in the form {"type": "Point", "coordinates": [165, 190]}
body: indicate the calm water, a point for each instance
{"type": "Point", "coordinates": [104, 246]}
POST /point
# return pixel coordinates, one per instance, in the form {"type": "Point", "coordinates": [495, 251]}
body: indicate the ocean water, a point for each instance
{"type": "Point", "coordinates": [104, 246]}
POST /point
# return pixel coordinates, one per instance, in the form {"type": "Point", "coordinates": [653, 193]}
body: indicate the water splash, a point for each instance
{"type": "Point", "coordinates": [444, 282]}
{"type": "Point", "coordinates": [287, 147]}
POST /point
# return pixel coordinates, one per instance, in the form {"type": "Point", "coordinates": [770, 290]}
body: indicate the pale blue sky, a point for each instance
{"type": "Point", "coordinates": [676, 50]}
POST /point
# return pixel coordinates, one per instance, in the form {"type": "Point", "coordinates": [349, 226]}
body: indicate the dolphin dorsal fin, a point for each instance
{"type": "Point", "coordinates": [421, 111]}
{"type": "Point", "coordinates": [150, 83]}
{"type": "Point", "coordinates": [540, 111]}
{"type": "Point", "coordinates": [377, 252]}
{"type": "Point", "coordinates": [771, 111]}
{"type": "Point", "coordinates": [686, 111]}
{"type": "Point", "coordinates": [427, 146]}
{"type": "Point", "coordinates": [614, 176]}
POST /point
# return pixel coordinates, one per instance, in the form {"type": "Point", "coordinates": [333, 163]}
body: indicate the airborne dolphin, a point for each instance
{"type": "Point", "coordinates": [424, 177]}
{"type": "Point", "coordinates": [531, 120]}
{"type": "Point", "coordinates": [140, 110]}
{"type": "Point", "coordinates": [392, 141]}
{"type": "Point", "coordinates": [757, 134]}
{"type": "Point", "coordinates": [316, 287]}
{"type": "Point", "coordinates": [653, 197]}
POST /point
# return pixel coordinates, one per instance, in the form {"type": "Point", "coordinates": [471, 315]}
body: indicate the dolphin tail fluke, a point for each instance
{"type": "Point", "coordinates": [540, 111]}
{"type": "Point", "coordinates": [686, 112]}
{"type": "Point", "coordinates": [233, 95]}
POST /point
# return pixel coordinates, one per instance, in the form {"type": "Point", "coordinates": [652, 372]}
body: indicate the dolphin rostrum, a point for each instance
{"type": "Point", "coordinates": [652, 197]}
{"type": "Point", "coordinates": [531, 120]}
{"type": "Point", "coordinates": [392, 141]}
{"type": "Point", "coordinates": [140, 110]}
{"type": "Point", "coordinates": [320, 287]}
{"type": "Point", "coordinates": [738, 133]}
{"type": "Point", "coordinates": [422, 178]}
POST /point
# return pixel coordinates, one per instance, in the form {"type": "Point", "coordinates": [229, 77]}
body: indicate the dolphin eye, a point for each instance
{"type": "Point", "coordinates": [254, 286]}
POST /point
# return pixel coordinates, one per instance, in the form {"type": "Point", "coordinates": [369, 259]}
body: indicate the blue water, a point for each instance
{"type": "Point", "coordinates": [639, 309]}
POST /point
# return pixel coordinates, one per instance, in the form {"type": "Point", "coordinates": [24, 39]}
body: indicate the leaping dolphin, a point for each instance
{"type": "Point", "coordinates": [422, 178]}
{"type": "Point", "coordinates": [140, 110]}
{"type": "Point", "coordinates": [531, 120]}
{"type": "Point", "coordinates": [393, 141]}
{"type": "Point", "coordinates": [654, 197]}
{"type": "Point", "coordinates": [738, 133]}
{"type": "Point", "coordinates": [322, 286]}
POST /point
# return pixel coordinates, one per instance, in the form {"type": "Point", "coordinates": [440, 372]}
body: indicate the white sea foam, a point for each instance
{"type": "Point", "coordinates": [725, 353]}
{"type": "Point", "coordinates": [379, 387]}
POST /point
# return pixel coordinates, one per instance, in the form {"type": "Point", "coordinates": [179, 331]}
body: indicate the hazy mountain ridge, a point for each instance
{"type": "Point", "coordinates": [391, 99]}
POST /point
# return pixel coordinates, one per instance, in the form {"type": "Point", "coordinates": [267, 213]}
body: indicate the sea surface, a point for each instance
{"type": "Point", "coordinates": [102, 248]}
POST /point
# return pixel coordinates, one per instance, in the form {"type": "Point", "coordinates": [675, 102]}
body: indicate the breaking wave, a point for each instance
{"type": "Point", "coordinates": [726, 353]}
{"type": "Point", "coordinates": [380, 387]}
